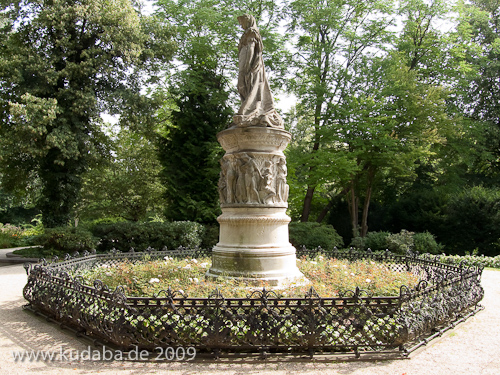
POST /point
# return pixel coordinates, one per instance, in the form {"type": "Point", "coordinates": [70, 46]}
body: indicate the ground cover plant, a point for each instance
{"type": "Point", "coordinates": [20, 235]}
{"type": "Point", "coordinates": [329, 277]}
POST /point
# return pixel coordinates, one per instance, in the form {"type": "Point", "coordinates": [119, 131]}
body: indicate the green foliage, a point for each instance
{"type": "Point", "coordinates": [90, 224]}
{"type": "Point", "coordinates": [140, 236]}
{"type": "Point", "coordinates": [376, 240]}
{"type": "Point", "coordinates": [400, 243]}
{"type": "Point", "coordinates": [210, 236]}
{"type": "Point", "coordinates": [461, 219]}
{"type": "Point", "coordinates": [473, 221]}
{"type": "Point", "coordinates": [471, 260]}
{"type": "Point", "coordinates": [312, 235]}
{"type": "Point", "coordinates": [327, 276]}
{"type": "Point", "coordinates": [22, 235]}
{"type": "Point", "coordinates": [364, 120]}
{"type": "Point", "coordinates": [426, 243]}
{"type": "Point", "coordinates": [190, 153]}
{"type": "Point", "coordinates": [126, 184]}
{"type": "Point", "coordinates": [199, 95]}
{"type": "Point", "coordinates": [66, 240]}
{"type": "Point", "coordinates": [62, 63]}
{"type": "Point", "coordinates": [208, 31]}
{"type": "Point", "coordinates": [10, 236]}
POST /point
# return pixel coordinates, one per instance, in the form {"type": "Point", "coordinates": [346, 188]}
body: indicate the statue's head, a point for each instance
{"type": "Point", "coordinates": [246, 21]}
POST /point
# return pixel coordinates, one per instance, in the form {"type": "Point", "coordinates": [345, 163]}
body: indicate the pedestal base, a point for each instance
{"type": "Point", "coordinates": [254, 245]}
{"type": "Point", "coordinates": [276, 267]}
{"type": "Point", "coordinates": [254, 248]}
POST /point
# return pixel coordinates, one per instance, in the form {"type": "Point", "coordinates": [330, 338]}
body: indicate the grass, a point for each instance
{"type": "Point", "coordinates": [38, 252]}
{"type": "Point", "coordinates": [328, 276]}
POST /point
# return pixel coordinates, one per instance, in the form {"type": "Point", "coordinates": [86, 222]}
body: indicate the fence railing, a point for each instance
{"type": "Point", "coordinates": [263, 322]}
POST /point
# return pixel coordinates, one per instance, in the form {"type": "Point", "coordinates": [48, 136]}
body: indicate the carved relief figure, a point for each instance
{"type": "Point", "coordinates": [268, 188]}
{"type": "Point", "coordinates": [252, 174]}
{"type": "Point", "coordinates": [222, 183]}
{"type": "Point", "coordinates": [281, 185]}
{"type": "Point", "coordinates": [230, 179]}
{"type": "Point", "coordinates": [257, 104]}
{"type": "Point", "coordinates": [240, 191]}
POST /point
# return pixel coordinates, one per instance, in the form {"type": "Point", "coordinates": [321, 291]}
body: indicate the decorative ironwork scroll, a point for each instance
{"type": "Point", "coordinates": [262, 322]}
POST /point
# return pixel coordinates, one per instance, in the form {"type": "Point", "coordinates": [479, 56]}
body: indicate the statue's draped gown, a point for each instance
{"type": "Point", "coordinates": [257, 104]}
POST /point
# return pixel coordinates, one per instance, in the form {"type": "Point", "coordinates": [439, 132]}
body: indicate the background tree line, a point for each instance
{"type": "Point", "coordinates": [396, 125]}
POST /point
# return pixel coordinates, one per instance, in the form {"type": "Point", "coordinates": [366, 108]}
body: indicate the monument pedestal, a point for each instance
{"type": "Point", "coordinates": [253, 244]}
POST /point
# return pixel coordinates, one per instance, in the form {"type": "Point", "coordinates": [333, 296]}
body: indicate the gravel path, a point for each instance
{"type": "Point", "coordinates": [472, 348]}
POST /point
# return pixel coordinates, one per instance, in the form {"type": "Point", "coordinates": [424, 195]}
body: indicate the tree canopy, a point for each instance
{"type": "Point", "coordinates": [62, 64]}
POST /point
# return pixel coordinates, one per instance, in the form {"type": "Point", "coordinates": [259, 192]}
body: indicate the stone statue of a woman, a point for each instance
{"type": "Point", "coordinates": [257, 104]}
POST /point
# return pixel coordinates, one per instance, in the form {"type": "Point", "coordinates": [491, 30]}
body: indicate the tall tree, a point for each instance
{"type": "Point", "coordinates": [329, 37]}
{"type": "Point", "coordinates": [477, 47]}
{"type": "Point", "coordinates": [189, 151]}
{"type": "Point", "coordinates": [127, 183]}
{"type": "Point", "coordinates": [62, 63]}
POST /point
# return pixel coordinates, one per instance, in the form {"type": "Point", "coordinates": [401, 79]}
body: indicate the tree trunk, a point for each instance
{"type": "Point", "coordinates": [353, 203]}
{"type": "Point", "coordinates": [306, 209]}
{"type": "Point", "coordinates": [366, 205]}
{"type": "Point", "coordinates": [325, 210]}
{"type": "Point", "coordinates": [364, 218]}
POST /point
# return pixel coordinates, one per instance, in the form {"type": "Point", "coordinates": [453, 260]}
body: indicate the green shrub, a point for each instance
{"type": "Point", "coordinates": [426, 243]}
{"type": "Point", "coordinates": [210, 236]}
{"type": "Point", "coordinates": [123, 236]}
{"type": "Point", "coordinates": [471, 260]}
{"type": "Point", "coordinates": [473, 221]}
{"type": "Point", "coordinates": [376, 240]}
{"type": "Point", "coordinates": [91, 224]}
{"type": "Point", "coordinates": [10, 236]}
{"type": "Point", "coordinates": [66, 240]}
{"type": "Point", "coordinates": [400, 243]}
{"type": "Point", "coordinates": [312, 235]}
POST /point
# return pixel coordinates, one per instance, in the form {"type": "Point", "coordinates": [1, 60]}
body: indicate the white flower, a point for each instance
{"type": "Point", "coordinates": [352, 274]}
{"type": "Point", "coordinates": [196, 280]}
{"type": "Point", "coordinates": [335, 265]}
{"type": "Point", "coordinates": [204, 265]}
{"type": "Point", "coordinates": [321, 257]}
{"type": "Point", "coordinates": [190, 280]}
{"type": "Point", "coordinates": [105, 266]}
{"type": "Point", "coordinates": [166, 257]}
{"type": "Point", "coordinates": [313, 262]}
{"type": "Point", "coordinates": [109, 274]}
{"type": "Point", "coordinates": [181, 291]}
{"type": "Point", "coordinates": [187, 267]}
{"type": "Point", "coordinates": [368, 280]}
{"type": "Point", "coordinates": [194, 260]}
{"type": "Point", "coordinates": [154, 280]}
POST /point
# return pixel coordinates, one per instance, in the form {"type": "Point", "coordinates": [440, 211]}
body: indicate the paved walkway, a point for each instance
{"type": "Point", "coordinates": [6, 261]}
{"type": "Point", "coordinates": [472, 348]}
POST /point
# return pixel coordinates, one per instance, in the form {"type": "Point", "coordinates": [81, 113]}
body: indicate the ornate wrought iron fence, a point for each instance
{"type": "Point", "coordinates": [263, 322]}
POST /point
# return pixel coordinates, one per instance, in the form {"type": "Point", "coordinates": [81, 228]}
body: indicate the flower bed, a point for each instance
{"type": "Point", "coordinates": [352, 321]}
{"type": "Point", "coordinates": [328, 276]}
